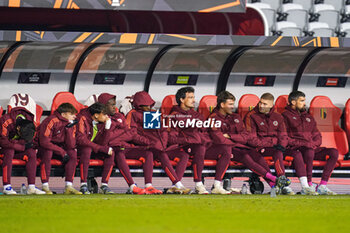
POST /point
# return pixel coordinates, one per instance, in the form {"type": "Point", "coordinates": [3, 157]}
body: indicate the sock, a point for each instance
{"type": "Point", "coordinates": [68, 183]}
{"type": "Point", "coordinates": [179, 185]}
{"type": "Point", "coordinates": [323, 182]}
{"type": "Point", "coordinates": [7, 186]}
{"type": "Point", "coordinates": [310, 184]}
{"type": "Point", "coordinates": [270, 177]}
{"type": "Point", "coordinates": [102, 184]}
{"type": "Point", "coordinates": [303, 182]}
{"type": "Point", "coordinates": [198, 183]}
{"type": "Point", "coordinates": [31, 186]}
{"type": "Point", "coordinates": [83, 183]}
{"type": "Point", "coordinates": [46, 185]}
{"type": "Point", "coordinates": [217, 183]}
{"type": "Point", "coordinates": [148, 185]}
{"type": "Point", "coordinates": [132, 186]}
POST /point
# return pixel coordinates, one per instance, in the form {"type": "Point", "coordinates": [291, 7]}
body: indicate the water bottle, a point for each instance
{"type": "Point", "coordinates": [23, 189]}
{"type": "Point", "coordinates": [244, 189]}
{"type": "Point", "coordinates": [273, 192]}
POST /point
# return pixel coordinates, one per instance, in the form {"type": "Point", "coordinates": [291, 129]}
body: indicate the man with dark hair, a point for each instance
{"type": "Point", "coordinates": [93, 136]}
{"type": "Point", "coordinates": [232, 133]}
{"type": "Point", "coordinates": [182, 93]}
{"type": "Point", "coordinates": [121, 141]}
{"type": "Point", "coordinates": [195, 141]}
{"type": "Point", "coordinates": [16, 141]}
{"type": "Point", "coordinates": [189, 139]}
{"type": "Point", "coordinates": [158, 139]}
{"type": "Point", "coordinates": [56, 138]}
{"type": "Point", "coordinates": [268, 135]}
{"type": "Point", "coordinates": [305, 138]}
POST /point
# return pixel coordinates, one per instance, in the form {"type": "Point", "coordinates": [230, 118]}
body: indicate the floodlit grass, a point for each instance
{"type": "Point", "coordinates": [171, 213]}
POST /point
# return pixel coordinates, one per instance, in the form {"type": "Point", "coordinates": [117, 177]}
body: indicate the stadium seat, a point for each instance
{"type": "Point", "coordinates": [271, 18]}
{"type": "Point", "coordinates": [331, 17]}
{"type": "Point", "coordinates": [315, 25]}
{"type": "Point", "coordinates": [39, 113]}
{"type": "Point", "coordinates": [207, 105]}
{"type": "Point", "coordinates": [347, 119]}
{"type": "Point", "coordinates": [262, 5]}
{"type": "Point", "coordinates": [246, 103]}
{"type": "Point", "coordinates": [275, 4]}
{"type": "Point", "coordinates": [291, 6]}
{"type": "Point", "coordinates": [307, 4]}
{"type": "Point", "coordinates": [286, 28]}
{"type": "Point", "coordinates": [327, 117]}
{"type": "Point", "coordinates": [285, 24]}
{"type": "Point", "coordinates": [96, 162]}
{"type": "Point", "coordinates": [323, 32]}
{"type": "Point", "coordinates": [322, 7]}
{"type": "Point", "coordinates": [167, 104]}
{"type": "Point", "coordinates": [345, 27]}
{"type": "Point", "coordinates": [293, 31]}
{"type": "Point", "coordinates": [235, 164]}
{"type": "Point", "coordinates": [281, 102]}
{"type": "Point", "coordinates": [347, 32]}
{"type": "Point", "coordinates": [91, 100]}
{"type": "Point", "coordinates": [210, 162]}
{"type": "Point", "coordinates": [65, 97]}
{"type": "Point", "coordinates": [337, 4]}
{"type": "Point", "coordinates": [298, 16]}
{"type": "Point", "coordinates": [56, 162]}
{"type": "Point", "coordinates": [344, 163]}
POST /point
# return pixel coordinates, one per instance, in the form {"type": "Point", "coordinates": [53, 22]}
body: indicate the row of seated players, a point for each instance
{"type": "Point", "coordinates": [99, 131]}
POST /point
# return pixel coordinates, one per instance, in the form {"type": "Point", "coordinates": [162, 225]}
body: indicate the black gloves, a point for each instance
{"type": "Point", "coordinates": [65, 159]}
{"type": "Point", "coordinates": [28, 145]}
{"type": "Point", "coordinates": [71, 124]}
{"type": "Point", "coordinates": [279, 147]}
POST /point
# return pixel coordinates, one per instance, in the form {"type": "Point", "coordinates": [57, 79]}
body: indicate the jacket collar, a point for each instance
{"type": "Point", "coordinates": [59, 116]}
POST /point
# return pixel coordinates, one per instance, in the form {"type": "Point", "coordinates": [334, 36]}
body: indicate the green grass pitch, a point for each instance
{"type": "Point", "coordinates": [172, 213]}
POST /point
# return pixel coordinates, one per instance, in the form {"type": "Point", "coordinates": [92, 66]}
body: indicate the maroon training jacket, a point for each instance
{"type": "Point", "coordinates": [233, 126]}
{"type": "Point", "coordinates": [85, 133]}
{"type": "Point", "coordinates": [158, 138]}
{"type": "Point", "coordinates": [187, 135]}
{"type": "Point", "coordinates": [266, 130]}
{"type": "Point", "coordinates": [8, 129]}
{"type": "Point", "coordinates": [53, 134]}
{"type": "Point", "coordinates": [302, 129]}
{"type": "Point", "coordinates": [122, 136]}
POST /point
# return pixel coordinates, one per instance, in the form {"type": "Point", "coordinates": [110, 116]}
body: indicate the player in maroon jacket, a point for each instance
{"type": "Point", "coordinates": [306, 138]}
{"type": "Point", "coordinates": [158, 139]}
{"type": "Point", "coordinates": [233, 133]}
{"type": "Point", "coordinates": [16, 141]}
{"type": "Point", "coordinates": [56, 138]}
{"type": "Point", "coordinates": [269, 136]}
{"type": "Point", "coordinates": [127, 144]}
{"type": "Point", "coordinates": [93, 136]}
{"type": "Point", "coordinates": [196, 141]}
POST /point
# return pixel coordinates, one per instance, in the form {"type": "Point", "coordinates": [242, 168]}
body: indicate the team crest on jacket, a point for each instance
{"type": "Point", "coordinates": [308, 119]}
{"type": "Point", "coordinates": [275, 123]}
{"type": "Point", "coordinates": [262, 123]}
{"type": "Point", "coordinates": [120, 120]}
{"type": "Point", "coordinates": [294, 118]}
{"type": "Point", "coordinates": [237, 121]}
